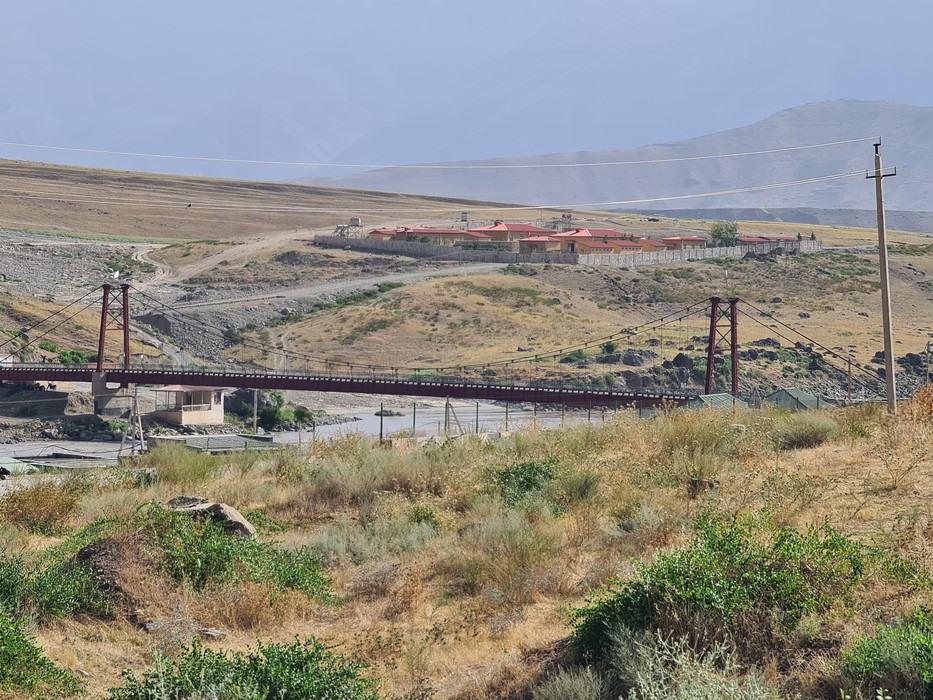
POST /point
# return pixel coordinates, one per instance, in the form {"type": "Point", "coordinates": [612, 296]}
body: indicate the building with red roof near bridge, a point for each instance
{"type": "Point", "coordinates": [684, 242]}
{"type": "Point", "coordinates": [442, 236]}
{"type": "Point", "coordinates": [502, 231]}
{"type": "Point", "coordinates": [540, 244]}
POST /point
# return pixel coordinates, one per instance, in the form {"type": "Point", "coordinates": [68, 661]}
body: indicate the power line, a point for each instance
{"type": "Point", "coordinates": [184, 204]}
{"type": "Point", "coordinates": [22, 333]}
{"type": "Point", "coordinates": [429, 166]}
{"type": "Point", "coordinates": [865, 386]}
{"type": "Point", "coordinates": [805, 337]}
{"type": "Point", "coordinates": [647, 326]}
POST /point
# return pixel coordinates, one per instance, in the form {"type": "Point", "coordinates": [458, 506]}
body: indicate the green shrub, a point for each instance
{"type": "Point", "coordinates": [306, 670]}
{"type": "Point", "coordinates": [802, 430]}
{"type": "Point", "coordinates": [898, 658]}
{"type": "Point", "coordinates": [199, 553]}
{"type": "Point", "coordinates": [735, 576]}
{"type": "Point", "coordinates": [521, 479]}
{"type": "Point", "coordinates": [23, 668]}
{"type": "Point", "coordinates": [47, 589]}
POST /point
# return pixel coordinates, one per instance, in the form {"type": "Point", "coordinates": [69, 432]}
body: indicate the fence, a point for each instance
{"type": "Point", "coordinates": [667, 257]}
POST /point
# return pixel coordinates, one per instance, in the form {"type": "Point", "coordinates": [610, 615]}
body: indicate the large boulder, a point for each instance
{"type": "Point", "coordinates": [682, 360]}
{"type": "Point", "coordinates": [227, 516]}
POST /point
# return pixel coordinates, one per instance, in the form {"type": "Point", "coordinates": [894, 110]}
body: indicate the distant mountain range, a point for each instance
{"type": "Point", "coordinates": [686, 173]}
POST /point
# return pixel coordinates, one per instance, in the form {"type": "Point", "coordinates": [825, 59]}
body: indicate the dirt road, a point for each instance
{"type": "Point", "coordinates": [347, 286]}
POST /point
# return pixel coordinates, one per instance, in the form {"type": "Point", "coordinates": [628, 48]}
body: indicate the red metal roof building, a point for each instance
{"type": "Point", "coordinates": [684, 242]}
{"type": "Point", "coordinates": [651, 246]}
{"type": "Point", "coordinates": [540, 244]}
{"type": "Point", "coordinates": [444, 236]}
{"type": "Point", "coordinates": [502, 231]}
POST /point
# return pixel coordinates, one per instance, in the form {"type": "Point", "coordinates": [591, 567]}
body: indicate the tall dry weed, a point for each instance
{"type": "Point", "coordinates": [46, 507]}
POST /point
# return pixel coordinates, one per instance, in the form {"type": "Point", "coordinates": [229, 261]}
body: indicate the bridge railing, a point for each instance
{"type": "Point", "coordinates": [354, 374]}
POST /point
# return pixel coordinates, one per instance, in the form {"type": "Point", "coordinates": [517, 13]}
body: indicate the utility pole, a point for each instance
{"type": "Point", "coordinates": [890, 387]}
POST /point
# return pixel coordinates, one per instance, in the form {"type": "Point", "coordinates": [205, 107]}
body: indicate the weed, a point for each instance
{"type": "Point", "coordinates": [424, 514]}
{"type": "Point", "coordinates": [504, 556]}
{"type": "Point", "coordinates": [902, 448]}
{"type": "Point", "coordinates": [519, 480]}
{"type": "Point", "coordinates": [302, 669]}
{"type": "Point", "coordinates": [174, 463]}
{"type": "Point", "coordinates": [571, 684]}
{"type": "Point", "coordinates": [654, 666]}
{"type": "Point", "coordinates": [23, 668]}
{"type": "Point", "coordinates": [739, 578]}
{"type": "Point", "coordinates": [802, 430]}
{"type": "Point", "coordinates": [899, 657]}
{"type": "Point", "coordinates": [47, 589]}
{"type": "Point", "coordinates": [203, 553]}
{"type": "Point", "coordinates": [346, 541]}
{"type": "Point", "coordinates": [43, 508]}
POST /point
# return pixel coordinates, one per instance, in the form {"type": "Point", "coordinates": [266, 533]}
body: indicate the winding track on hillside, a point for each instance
{"type": "Point", "coordinates": [343, 287]}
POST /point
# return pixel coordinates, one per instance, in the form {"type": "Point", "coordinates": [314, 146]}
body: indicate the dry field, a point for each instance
{"type": "Point", "coordinates": [455, 568]}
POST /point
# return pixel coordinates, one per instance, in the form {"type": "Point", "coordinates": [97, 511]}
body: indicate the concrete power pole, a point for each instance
{"type": "Point", "coordinates": [891, 389]}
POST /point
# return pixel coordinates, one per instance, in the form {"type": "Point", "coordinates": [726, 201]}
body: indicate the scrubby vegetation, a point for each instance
{"type": "Point", "coordinates": [24, 670]}
{"type": "Point", "coordinates": [307, 670]}
{"type": "Point", "coordinates": [757, 554]}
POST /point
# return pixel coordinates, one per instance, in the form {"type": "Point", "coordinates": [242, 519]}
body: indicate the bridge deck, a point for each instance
{"type": "Point", "coordinates": [436, 387]}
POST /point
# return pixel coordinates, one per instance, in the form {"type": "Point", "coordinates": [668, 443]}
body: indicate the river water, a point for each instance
{"type": "Point", "coordinates": [462, 418]}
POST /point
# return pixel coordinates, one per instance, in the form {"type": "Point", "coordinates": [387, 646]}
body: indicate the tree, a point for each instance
{"type": "Point", "coordinates": [724, 233]}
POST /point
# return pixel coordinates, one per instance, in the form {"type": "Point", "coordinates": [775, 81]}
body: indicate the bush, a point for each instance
{"type": "Point", "coordinates": [23, 668]}
{"type": "Point", "coordinates": [43, 508]}
{"type": "Point", "coordinates": [47, 589]}
{"type": "Point", "coordinates": [571, 684]}
{"type": "Point", "coordinates": [174, 463]}
{"type": "Point", "coordinates": [653, 666]}
{"type": "Point", "coordinates": [202, 553]}
{"type": "Point", "coordinates": [305, 670]}
{"type": "Point", "coordinates": [736, 578]}
{"type": "Point", "coordinates": [898, 658]}
{"type": "Point", "coordinates": [519, 480]}
{"type": "Point", "coordinates": [802, 430]}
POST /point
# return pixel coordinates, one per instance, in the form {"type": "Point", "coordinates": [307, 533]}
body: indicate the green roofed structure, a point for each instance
{"type": "Point", "coordinates": [716, 401]}
{"type": "Point", "coordinates": [796, 400]}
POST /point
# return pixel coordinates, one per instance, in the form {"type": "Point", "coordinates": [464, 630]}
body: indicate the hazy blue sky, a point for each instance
{"type": "Point", "coordinates": [429, 80]}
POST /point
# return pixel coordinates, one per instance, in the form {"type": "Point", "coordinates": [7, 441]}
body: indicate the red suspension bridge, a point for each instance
{"type": "Point", "coordinates": [494, 381]}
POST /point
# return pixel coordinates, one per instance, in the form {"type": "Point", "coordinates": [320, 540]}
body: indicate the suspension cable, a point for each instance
{"type": "Point", "coordinates": [858, 381]}
{"type": "Point", "coordinates": [22, 332]}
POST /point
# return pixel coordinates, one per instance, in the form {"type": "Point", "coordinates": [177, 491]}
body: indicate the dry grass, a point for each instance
{"type": "Point", "coordinates": [46, 507]}
{"type": "Point", "coordinates": [443, 584]}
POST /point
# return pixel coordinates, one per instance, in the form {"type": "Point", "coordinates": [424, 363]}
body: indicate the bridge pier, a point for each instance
{"type": "Point", "coordinates": [110, 402]}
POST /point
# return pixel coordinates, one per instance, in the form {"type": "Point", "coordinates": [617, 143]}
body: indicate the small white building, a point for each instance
{"type": "Point", "coordinates": [182, 404]}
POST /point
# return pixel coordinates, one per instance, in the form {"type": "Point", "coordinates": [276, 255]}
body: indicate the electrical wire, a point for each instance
{"type": "Point", "coordinates": [647, 326]}
{"type": "Point", "coordinates": [809, 340]}
{"type": "Point", "coordinates": [184, 204]}
{"type": "Point", "coordinates": [867, 387]}
{"type": "Point", "coordinates": [434, 166]}
{"type": "Point", "coordinates": [22, 332]}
